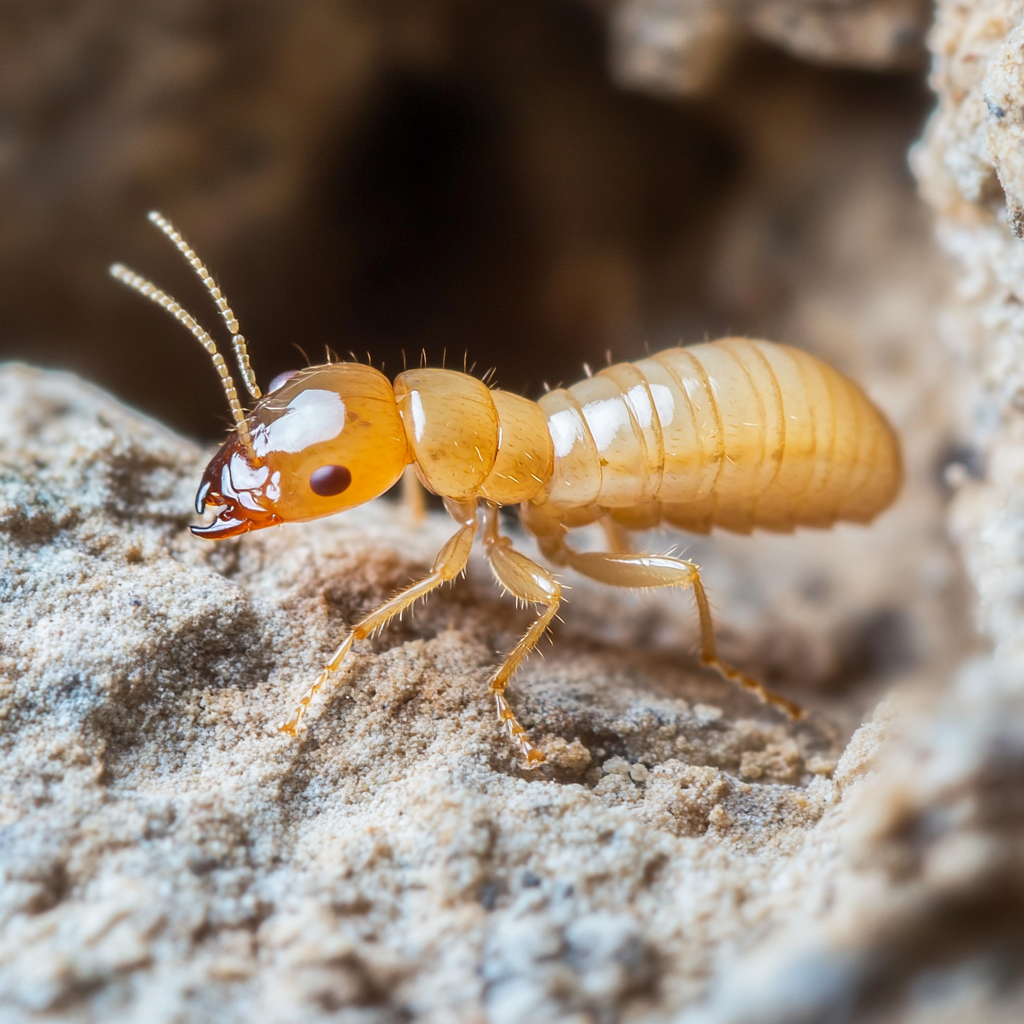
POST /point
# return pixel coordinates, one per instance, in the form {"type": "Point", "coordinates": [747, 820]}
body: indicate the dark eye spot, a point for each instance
{"type": "Point", "coordinates": [329, 480]}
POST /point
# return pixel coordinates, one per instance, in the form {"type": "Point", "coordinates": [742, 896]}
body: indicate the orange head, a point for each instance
{"type": "Point", "coordinates": [329, 438]}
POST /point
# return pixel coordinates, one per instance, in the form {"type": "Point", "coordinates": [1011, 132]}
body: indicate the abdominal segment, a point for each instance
{"type": "Point", "coordinates": [734, 433]}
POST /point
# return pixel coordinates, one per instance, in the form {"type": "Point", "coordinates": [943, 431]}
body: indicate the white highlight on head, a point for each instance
{"type": "Point", "coordinates": [312, 417]}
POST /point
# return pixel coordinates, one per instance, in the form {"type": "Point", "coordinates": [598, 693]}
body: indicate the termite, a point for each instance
{"type": "Point", "coordinates": [736, 433]}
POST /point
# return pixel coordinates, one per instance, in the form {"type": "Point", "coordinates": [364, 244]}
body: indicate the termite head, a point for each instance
{"type": "Point", "coordinates": [328, 439]}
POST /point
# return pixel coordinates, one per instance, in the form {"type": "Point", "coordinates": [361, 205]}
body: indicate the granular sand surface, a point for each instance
{"type": "Point", "coordinates": [168, 856]}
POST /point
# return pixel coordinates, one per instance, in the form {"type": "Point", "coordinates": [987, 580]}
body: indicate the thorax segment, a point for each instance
{"type": "Point", "coordinates": [470, 442]}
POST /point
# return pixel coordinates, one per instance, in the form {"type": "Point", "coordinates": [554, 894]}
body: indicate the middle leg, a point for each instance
{"type": "Point", "coordinates": [527, 582]}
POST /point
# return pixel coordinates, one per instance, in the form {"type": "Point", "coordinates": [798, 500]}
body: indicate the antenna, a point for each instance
{"type": "Point", "coordinates": [241, 352]}
{"type": "Point", "coordinates": [147, 288]}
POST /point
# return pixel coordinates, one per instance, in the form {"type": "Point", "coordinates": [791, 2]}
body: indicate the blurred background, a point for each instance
{"type": "Point", "coordinates": [529, 185]}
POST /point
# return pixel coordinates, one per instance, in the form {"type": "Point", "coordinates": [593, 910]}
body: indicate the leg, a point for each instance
{"type": "Point", "coordinates": [528, 582]}
{"type": "Point", "coordinates": [450, 561]}
{"type": "Point", "coordinates": [641, 571]}
{"type": "Point", "coordinates": [412, 496]}
{"type": "Point", "coordinates": [619, 540]}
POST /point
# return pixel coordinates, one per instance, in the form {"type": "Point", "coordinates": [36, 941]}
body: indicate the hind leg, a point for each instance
{"type": "Point", "coordinates": [619, 540]}
{"type": "Point", "coordinates": [642, 571]}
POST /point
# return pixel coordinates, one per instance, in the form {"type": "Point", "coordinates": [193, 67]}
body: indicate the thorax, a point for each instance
{"type": "Point", "coordinates": [468, 441]}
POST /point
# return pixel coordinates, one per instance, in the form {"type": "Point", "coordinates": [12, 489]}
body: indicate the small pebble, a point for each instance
{"type": "Point", "coordinates": [719, 817]}
{"type": "Point", "coordinates": [818, 765]}
{"type": "Point", "coordinates": [616, 766]}
{"type": "Point", "coordinates": [706, 713]}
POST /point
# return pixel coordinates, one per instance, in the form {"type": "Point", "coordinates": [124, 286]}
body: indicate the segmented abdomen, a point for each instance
{"type": "Point", "coordinates": [733, 433]}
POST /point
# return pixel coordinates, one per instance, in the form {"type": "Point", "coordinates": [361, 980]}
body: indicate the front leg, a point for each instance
{"type": "Point", "coordinates": [450, 561]}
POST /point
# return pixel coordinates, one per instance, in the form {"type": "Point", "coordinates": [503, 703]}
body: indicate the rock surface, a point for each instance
{"type": "Point", "coordinates": [971, 171]}
{"type": "Point", "coordinates": [167, 856]}
{"type": "Point", "coordinates": [682, 46]}
{"type": "Point", "coordinates": [971, 168]}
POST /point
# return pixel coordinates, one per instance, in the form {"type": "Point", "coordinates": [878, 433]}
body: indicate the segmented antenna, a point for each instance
{"type": "Point", "coordinates": [147, 288]}
{"type": "Point", "coordinates": [241, 352]}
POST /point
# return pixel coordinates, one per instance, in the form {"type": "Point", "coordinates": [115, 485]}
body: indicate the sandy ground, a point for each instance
{"type": "Point", "coordinates": [168, 856]}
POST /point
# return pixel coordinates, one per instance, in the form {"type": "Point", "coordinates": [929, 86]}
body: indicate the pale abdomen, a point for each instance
{"type": "Point", "coordinates": [734, 433]}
